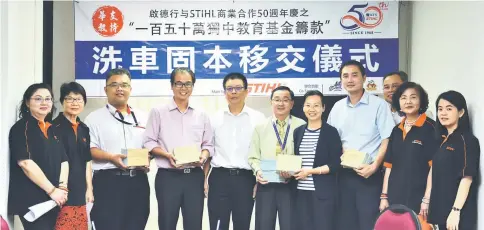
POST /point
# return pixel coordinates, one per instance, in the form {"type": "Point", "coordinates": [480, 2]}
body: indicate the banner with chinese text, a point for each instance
{"type": "Point", "coordinates": [298, 44]}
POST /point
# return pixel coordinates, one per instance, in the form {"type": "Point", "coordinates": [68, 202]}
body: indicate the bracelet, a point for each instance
{"type": "Point", "coordinates": [425, 200]}
{"type": "Point", "coordinates": [455, 209]}
{"type": "Point", "coordinates": [383, 196]}
{"type": "Point", "coordinates": [52, 191]}
{"type": "Point", "coordinates": [63, 188]}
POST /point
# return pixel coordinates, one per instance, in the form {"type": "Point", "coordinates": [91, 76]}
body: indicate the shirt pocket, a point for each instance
{"type": "Point", "coordinates": [196, 132]}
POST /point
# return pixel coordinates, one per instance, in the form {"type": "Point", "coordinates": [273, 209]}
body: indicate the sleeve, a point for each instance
{"type": "Point", "coordinates": [207, 139]}
{"type": "Point", "coordinates": [93, 132]}
{"type": "Point", "coordinates": [335, 152]}
{"type": "Point", "coordinates": [254, 151]}
{"type": "Point", "coordinates": [330, 116]}
{"type": "Point", "coordinates": [88, 155]}
{"type": "Point", "coordinates": [17, 139]}
{"type": "Point", "coordinates": [387, 161]}
{"type": "Point", "coordinates": [384, 121]}
{"type": "Point", "coordinates": [152, 132]}
{"type": "Point", "coordinates": [431, 147]}
{"type": "Point", "coordinates": [472, 155]}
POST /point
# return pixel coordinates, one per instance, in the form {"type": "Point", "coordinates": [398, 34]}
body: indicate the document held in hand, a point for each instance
{"type": "Point", "coordinates": [136, 157]}
{"type": "Point", "coordinates": [186, 154]}
{"type": "Point", "coordinates": [353, 158]}
{"type": "Point", "coordinates": [269, 171]}
{"type": "Point", "coordinates": [38, 210]}
{"type": "Point", "coordinates": [289, 163]}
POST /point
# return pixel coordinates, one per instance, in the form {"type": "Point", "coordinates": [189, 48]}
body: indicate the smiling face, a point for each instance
{"type": "Point", "coordinates": [282, 103]}
{"type": "Point", "coordinates": [40, 103]}
{"type": "Point", "coordinates": [448, 114]}
{"type": "Point", "coordinates": [182, 86]}
{"type": "Point", "coordinates": [73, 104]}
{"type": "Point", "coordinates": [410, 102]}
{"type": "Point", "coordinates": [313, 108]}
{"type": "Point", "coordinates": [352, 80]}
{"type": "Point", "coordinates": [118, 90]}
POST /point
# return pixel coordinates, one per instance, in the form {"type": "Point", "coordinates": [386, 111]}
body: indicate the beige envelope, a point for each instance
{"type": "Point", "coordinates": [353, 158]}
{"type": "Point", "coordinates": [289, 163]}
{"type": "Point", "coordinates": [186, 154]}
{"type": "Point", "coordinates": [137, 157]}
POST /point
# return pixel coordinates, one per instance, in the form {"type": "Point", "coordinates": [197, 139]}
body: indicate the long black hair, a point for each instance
{"type": "Point", "coordinates": [458, 100]}
{"type": "Point", "coordinates": [24, 110]}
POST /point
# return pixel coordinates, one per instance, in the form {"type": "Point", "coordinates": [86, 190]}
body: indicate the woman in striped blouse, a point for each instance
{"type": "Point", "coordinates": [320, 147]}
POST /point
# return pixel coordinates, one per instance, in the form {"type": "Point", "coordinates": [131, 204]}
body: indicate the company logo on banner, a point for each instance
{"type": "Point", "coordinates": [371, 86]}
{"type": "Point", "coordinates": [297, 44]}
{"type": "Point", "coordinates": [363, 16]}
{"type": "Point", "coordinates": [336, 87]}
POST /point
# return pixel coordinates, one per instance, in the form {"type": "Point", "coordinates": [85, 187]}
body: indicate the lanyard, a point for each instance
{"type": "Point", "coordinates": [122, 117]}
{"type": "Point", "coordinates": [283, 145]}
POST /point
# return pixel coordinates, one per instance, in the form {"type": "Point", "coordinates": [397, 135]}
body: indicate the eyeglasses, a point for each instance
{"type": "Point", "coordinates": [71, 100]}
{"type": "Point", "coordinates": [180, 84]}
{"type": "Point", "coordinates": [38, 100]}
{"type": "Point", "coordinates": [123, 85]}
{"type": "Point", "coordinates": [278, 101]}
{"type": "Point", "coordinates": [234, 89]}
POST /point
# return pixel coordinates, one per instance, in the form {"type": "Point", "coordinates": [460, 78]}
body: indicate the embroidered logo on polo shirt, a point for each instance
{"type": "Point", "coordinates": [84, 139]}
{"type": "Point", "coordinates": [417, 142]}
{"type": "Point", "coordinates": [449, 148]}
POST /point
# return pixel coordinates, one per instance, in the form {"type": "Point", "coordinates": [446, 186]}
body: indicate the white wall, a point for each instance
{"type": "Point", "coordinates": [447, 50]}
{"type": "Point", "coordinates": [20, 66]}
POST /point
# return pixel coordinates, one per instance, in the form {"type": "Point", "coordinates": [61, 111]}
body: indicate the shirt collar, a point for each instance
{"type": "Point", "coordinates": [172, 105]}
{"type": "Point", "coordinates": [365, 99]}
{"type": "Point", "coordinates": [67, 121]}
{"type": "Point", "coordinates": [113, 110]}
{"type": "Point", "coordinates": [245, 110]}
{"type": "Point", "coordinates": [274, 118]}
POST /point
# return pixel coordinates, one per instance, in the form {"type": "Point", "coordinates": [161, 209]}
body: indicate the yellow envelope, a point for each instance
{"type": "Point", "coordinates": [353, 158]}
{"type": "Point", "coordinates": [289, 163]}
{"type": "Point", "coordinates": [186, 154]}
{"type": "Point", "coordinates": [137, 157]}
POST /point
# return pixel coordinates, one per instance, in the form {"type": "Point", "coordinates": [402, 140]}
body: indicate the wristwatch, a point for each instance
{"type": "Point", "coordinates": [455, 209]}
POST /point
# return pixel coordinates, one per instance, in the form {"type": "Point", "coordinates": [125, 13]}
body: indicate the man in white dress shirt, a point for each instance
{"type": "Point", "coordinates": [230, 183]}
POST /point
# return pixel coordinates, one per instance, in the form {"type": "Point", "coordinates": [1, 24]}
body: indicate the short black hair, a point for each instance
{"type": "Point", "coordinates": [459, 101]}
{"type": "Point", "coordinates": [72, 87]}
{"type": "Point", "coordinates": [24, 110]}
{"type": "Point", "coordinates": [422, 94]}
{"type": "Point", "coordinates": [355, 63]}
{"type": "Point", "coordinates": [181, 70]}
{"type": "Point", "coordinates": [313, 93]}
{"type": "Point", "coordinates": [233, 76]}
{"type": "Point", "coordinates": [283, 88]}
{"type": "Point", "coordinates": [118, 71]}
{"type": "Point", "coordinates": [403, 76]}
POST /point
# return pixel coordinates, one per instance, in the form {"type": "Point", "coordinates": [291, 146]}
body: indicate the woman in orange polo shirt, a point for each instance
{"type": "Point", "coordinates": [38, 163]}
{"type": "Point", "coordinates": [75, 136]}
{"type": "Point", "coordinates": [409, 154]}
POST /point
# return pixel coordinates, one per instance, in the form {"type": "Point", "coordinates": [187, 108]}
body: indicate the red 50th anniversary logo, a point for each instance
{"type": "Point", "coordinates": [363, 17]}
{"type": "Point", "coordinates": [107, 21]}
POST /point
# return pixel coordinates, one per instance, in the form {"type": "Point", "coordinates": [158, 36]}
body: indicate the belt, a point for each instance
{"type": "Point", "coordinates": [184, 171]}
{"type": "Point", "coordinates": [120, 172]}
{"type": "Point", "coordinates": [234, 172]}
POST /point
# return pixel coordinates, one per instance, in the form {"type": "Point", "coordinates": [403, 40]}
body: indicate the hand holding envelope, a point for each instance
{"type": "Point", "coordinates": [136, 158]}
{"type": "Point", "coordinates": [187, 155]}
{"type": "Point", "coordinates": [354, 159]}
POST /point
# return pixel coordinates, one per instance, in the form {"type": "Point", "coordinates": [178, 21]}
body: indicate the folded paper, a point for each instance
{"type": "Point", "coordinates": [39, 210]}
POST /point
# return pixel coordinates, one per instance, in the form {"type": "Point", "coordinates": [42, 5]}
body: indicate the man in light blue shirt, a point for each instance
{"type": "Point", "coordinates": [364, 122]}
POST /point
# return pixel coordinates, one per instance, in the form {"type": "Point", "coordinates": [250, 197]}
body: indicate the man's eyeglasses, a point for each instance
{"type": "Point", "coordinates": [123, 85]}
{"type": "Point", "coordinates": [277, 101]}
{"type": "Point", "coordinates": [72, 100]}
{"type": "Point", "coordinates": [38, 100]}
{"type": "Point", "coordinates": [234, 89]}
{"type": "Point", "coordinates": [180, 84]}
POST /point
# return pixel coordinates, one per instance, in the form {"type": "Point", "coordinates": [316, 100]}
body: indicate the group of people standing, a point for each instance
{"type": "Point", "coordinates": [430, 166]}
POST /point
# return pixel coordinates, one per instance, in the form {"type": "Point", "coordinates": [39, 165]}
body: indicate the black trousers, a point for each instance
{"type": "Point", "coordinates": [359, 199]}
{"type": "Point", "coordinates": [45, 222]}
{"type": "Point", "coordinates": [230, 192]}
{"type": "Point", "coordinates": [313, 212]}
{"type": "Point", "coordinates": [274, 199]}
{"type": "Point", "coordinates": [121, 202]}
{"type": "Point", "coordinates": [178, 188]}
